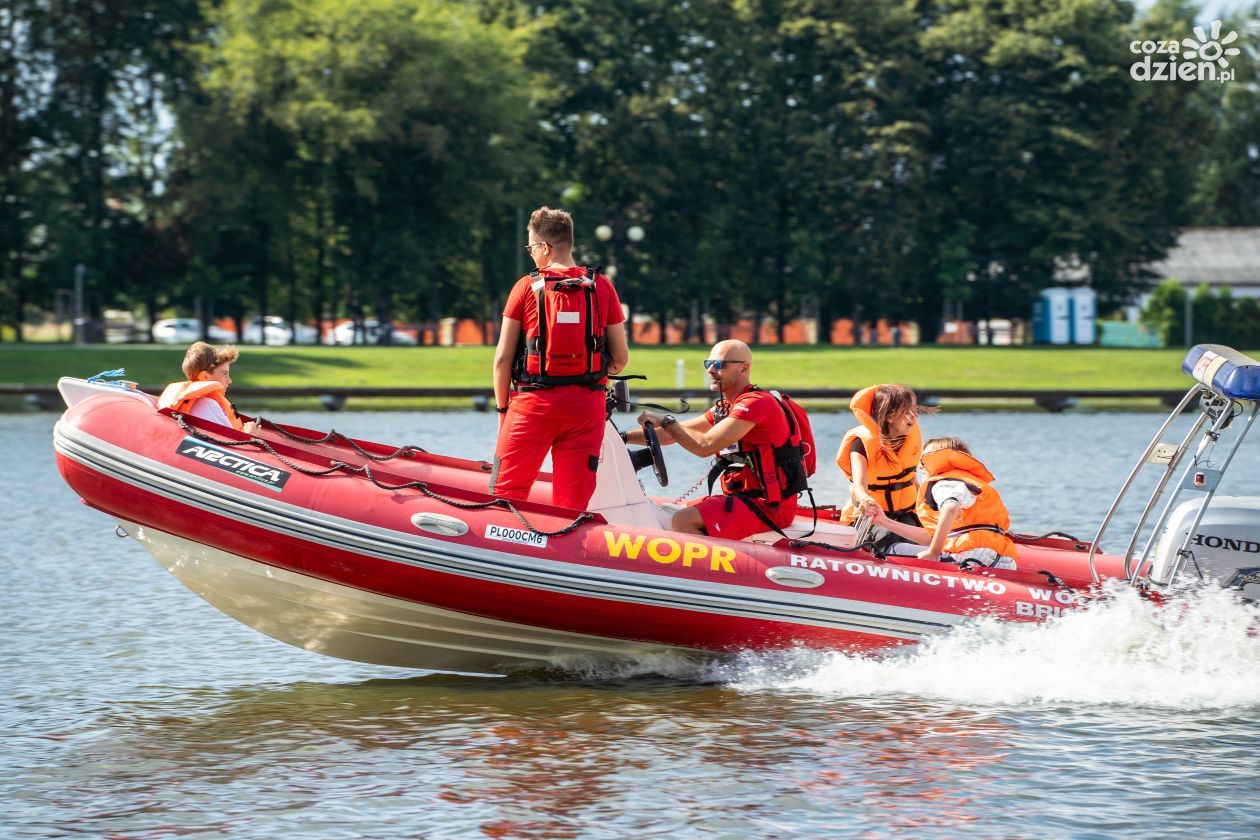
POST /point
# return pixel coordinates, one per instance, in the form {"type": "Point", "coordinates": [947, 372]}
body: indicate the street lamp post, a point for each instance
{"type": "Point", "coordinates": [618, 235]}
{"type": "Point", "coordinates": [80, 322]}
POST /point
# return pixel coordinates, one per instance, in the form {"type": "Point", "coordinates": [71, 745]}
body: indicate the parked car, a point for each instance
{"type": "Point", "coordinates": [186, 331]}
{"type": "Point", "coordinates": [343, 333]}
{"type": "Point", "coordinates": [277, 332]}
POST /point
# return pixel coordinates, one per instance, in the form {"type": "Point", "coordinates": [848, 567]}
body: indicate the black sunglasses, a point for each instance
{"type": "Point", "coordinates": [718, 364]}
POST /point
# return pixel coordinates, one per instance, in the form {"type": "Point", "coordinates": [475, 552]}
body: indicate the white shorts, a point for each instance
{"type": "Point", "coordinates": [986, 557]}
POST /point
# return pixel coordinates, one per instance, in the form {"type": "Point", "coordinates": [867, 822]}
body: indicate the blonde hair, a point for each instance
{"type": "Point", "coordinates": [203, 358]}
{"type": "Point", "coordinates": [954, 443]}
{"type": "Point", "coordinates": [554, 227]}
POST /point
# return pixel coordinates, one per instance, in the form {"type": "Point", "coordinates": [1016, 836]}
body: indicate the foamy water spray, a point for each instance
{"type": "Point", "coordinates": [1199, 651]}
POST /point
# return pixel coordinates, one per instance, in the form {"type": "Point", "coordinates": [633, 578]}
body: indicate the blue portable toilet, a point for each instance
{"type": "Point", "coordinates": [1083, 312]}
{"type": "Point", "coordinates": [1052, 317]}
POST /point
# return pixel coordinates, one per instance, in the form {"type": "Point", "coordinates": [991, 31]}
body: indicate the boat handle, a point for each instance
{"type": "Point", "coordinates": [795, 577]}
{"type": "Point", "coordinates": [440, 524]}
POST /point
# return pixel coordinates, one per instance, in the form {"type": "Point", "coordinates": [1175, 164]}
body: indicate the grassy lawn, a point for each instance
{"type": "Point", "coordinates": [786, 367]}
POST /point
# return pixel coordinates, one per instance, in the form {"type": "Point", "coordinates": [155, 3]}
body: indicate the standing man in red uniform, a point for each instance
{"type": "Point", "coordinates": [562, 334]}
{"type": "Point", "coordinates": [763, 443]}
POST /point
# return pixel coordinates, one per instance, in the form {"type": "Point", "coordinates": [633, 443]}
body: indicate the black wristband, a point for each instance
{"type": "Point", "coordinates": [625, 437]}
{"type": "Point", "coordinates": [501, 410]}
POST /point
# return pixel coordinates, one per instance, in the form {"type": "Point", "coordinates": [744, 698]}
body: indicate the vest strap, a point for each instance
{"type": "Point", "coordinates": [967, 529]}
{"type": "Point", "coordinates": [892, 485]}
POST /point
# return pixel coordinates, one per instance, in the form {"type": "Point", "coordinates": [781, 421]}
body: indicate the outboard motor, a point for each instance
{"type": "Point", "coordinates": [1204, 537]}
{"type": "Point", "coordinates": [1225, 547]}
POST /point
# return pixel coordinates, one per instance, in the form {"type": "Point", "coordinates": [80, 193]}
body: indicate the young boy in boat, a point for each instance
{"type": "Point", "coordinates": [963, 517]}
{"type": "Point", "coordinates": [880, 456]}
{"type": "Point", "coordinates": [203, 394]}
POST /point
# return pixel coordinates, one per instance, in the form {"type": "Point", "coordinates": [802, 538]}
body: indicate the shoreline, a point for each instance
{"type": "Point", "coordinates": [299, 378]}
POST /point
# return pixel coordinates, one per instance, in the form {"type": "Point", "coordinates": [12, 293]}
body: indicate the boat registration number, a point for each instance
{"type": "Point", "coordinates": [515, 535]}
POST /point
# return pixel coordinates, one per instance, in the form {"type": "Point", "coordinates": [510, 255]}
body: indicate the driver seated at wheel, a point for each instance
{"type": "Point", "coordinates": [743, 430]}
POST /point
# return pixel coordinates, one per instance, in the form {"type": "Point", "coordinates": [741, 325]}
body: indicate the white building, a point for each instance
{"type": "Point", "coordinates": [1220, 257]}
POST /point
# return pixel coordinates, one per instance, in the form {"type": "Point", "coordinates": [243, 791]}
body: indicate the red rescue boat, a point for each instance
{"type": "Point", "coordinates": [399, 557]}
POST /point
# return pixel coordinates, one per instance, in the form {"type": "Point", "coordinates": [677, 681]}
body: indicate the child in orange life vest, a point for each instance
{"type": "Point", "coordinates": [880, 455]}
{"type": "Point", "coordinates": [963, 516]}
{"type": "Point", "coordinates": [204, 393]}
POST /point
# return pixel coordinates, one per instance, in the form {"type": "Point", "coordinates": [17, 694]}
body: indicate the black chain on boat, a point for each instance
{"type": "Point", "coordinates": [1060, 534]}
{"type": "Point", "coordinates": [1063, 584]}
{"type": "Point", "coordinates": [335, 437]}
{"type": "Point", "coordinates": [1056, 580]}
{"type": "Point", "coordinates": [365, 471]}
{"type": "Point", "coordinates": [817, 544]}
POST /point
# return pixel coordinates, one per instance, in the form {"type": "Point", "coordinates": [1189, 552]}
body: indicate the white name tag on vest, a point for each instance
{"type": "Point", "coordinates": [568, 317]}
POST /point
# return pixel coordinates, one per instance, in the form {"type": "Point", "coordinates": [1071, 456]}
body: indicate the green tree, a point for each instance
{"type": "Point", "coordinates": [21, 103]}
{"type": "Point", "coordinates": [862, 156]}
{"type": "Point", "coordinates": [626, 136]}
{"type": "Point", "coordinates": [1216, 317]}
{"type": "Point", "coordinates": [386, 128]}
{"type": "Point", "coordinates": [1165, 312]}
{"type": "Point", "coordinates": [1228, 182]}
{"type": "Point", "coordinates": [110, 67]}
{"type": "Point", "coordinates": [1047, 147]}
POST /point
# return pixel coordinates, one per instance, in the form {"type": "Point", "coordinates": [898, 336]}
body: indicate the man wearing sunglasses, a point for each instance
{"type": "Point", "coordinates": [751, 432]}
{"type": "Point", "coordinates": [562, 334]}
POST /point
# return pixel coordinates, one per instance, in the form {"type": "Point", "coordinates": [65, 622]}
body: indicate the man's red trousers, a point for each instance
{"type": "Point", "coordinates": [568, 421]}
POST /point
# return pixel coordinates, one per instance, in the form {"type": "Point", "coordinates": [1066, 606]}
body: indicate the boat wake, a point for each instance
{"type": "Point", "coordinates": [1200, 650]}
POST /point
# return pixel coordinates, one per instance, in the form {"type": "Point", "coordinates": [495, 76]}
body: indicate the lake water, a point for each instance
{"type": "Point", "coordinates": [133, 709]}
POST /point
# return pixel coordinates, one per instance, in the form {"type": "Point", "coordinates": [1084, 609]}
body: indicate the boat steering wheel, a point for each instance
{"type": "Point", "coordinates": [652, 456]}
{"type": "Point", "coordinates": [658, 459]}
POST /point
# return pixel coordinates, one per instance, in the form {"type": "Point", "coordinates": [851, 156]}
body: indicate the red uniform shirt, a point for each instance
{"type": "Point", "coordinates": [762, 409]}
{"type": "Point", "coordinates": [732, 517]}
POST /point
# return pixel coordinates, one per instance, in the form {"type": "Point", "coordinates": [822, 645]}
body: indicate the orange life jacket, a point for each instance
{"type": "Point", "coordinates": [985, 523]}
{"type": "Point", "coordinates": [890, 475]}
{"type": "Point", "coordinates": [562, 339]}
{"type": "Point", "coordinates": [180, 396]}
{"type": "Point", "coordinates": [773, 473]}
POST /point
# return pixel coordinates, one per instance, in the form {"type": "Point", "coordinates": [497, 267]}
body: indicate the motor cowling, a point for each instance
{"type": "Point", "coordinates": [1225, 548]}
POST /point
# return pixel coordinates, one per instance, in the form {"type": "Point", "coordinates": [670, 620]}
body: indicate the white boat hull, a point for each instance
{"type": "Point", "coordinates": [348, 623]}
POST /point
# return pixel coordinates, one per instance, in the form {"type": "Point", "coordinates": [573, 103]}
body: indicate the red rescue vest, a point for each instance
{"type": "Point", "coordinates": [773, 473]}
{"type": "Point", "coordinates": [565, 344]}
{"type": "Point", "coordinates": [180, 396]}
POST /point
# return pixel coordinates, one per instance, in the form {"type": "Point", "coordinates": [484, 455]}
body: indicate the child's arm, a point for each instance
{"type": "Point", "coordinates": [913, 533]}
{"type": "Point", "coordinates": [949, 511]}
{"type": "Point", "coordinates": [858, 491]}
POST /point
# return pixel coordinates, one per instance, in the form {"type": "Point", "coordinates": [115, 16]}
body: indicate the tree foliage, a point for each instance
{"type": "Point", "coordinates": [1216, 317]}
{"type": "Point", "coordinates": [373, 158]}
